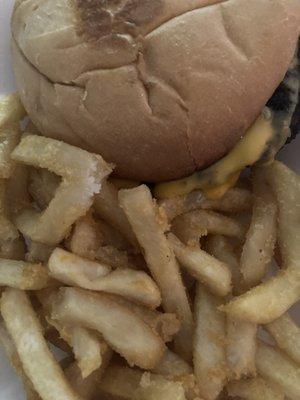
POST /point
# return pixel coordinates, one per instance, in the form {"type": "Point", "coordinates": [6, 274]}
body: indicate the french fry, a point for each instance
{"type": "Point", "coordinates": [209, 345]}
{"type": "Point", "coordinates": [42, 186]}
{"type": "Point", "coordinates": [81, 181]}
{"type": "Point", "coordinates": [8, 232]}
{"type": "Point", "coordinates": [37, 360]}
{"type": "Point", "coordinates": [106, 204]}
{"type": "Point", "coordinates": [286, 186]}
{"type": "Point", "coordinates": [164, 325]}
{"type": "Point", "coordinates": [73, 270]}
{"type": "Point", "coordinates": [12, 354]}
{"type": "Point", "coordinates": [172, 365]}
{"type": "Point", "coordinates": [9, 139]}
{"type": "Point", "coordinates": [203, 267]}
{"type": "Point", "coordinates": [131, 384]}
{"type": "Point", "coordinates": [255, 389]}
{"type": "Point", "coordinates": [138, 206]}
{"type": "Point", "coordinates": [278, 368]}
{"type": "Point", "coordinates": [268, 301]}
{"type": "Point", "coordinates": [240, 349]}
{"type": "Point", "coordinates": [22, 275]}
{"type": "Point", "coordinates": [260, 241]}
{"type": "Point", "coordinates": [86, 238]}
{"type": "Point", "coordinates": [220, 247]}
{"type": "Point", "coordinates": [235, 200]}
{"type": "Point", "coordinates": [121, 328]}
{"type": "Point", "coordinates": [192, 226]}
{"type": "Point", "coordinates": [11, 110]}
{"type": "Point", "coordinates": [286, 334]}
{"type": "Point", "coordinates": [87, 350]}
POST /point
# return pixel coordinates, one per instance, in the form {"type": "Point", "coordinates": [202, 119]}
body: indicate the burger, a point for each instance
{"type": "Point", "coordinates": [189, 91]}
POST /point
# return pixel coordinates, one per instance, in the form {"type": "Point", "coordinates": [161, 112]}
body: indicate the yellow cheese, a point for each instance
{"type": "Point", "coordinates": [217, 179]}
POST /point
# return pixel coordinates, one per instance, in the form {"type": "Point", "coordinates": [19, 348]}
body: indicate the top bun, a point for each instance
{"type": "Point", "coordinates": [161, 88]}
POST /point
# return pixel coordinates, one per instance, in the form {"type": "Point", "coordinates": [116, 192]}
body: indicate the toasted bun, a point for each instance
{"type": "Point", "coordinates": [161, 88]}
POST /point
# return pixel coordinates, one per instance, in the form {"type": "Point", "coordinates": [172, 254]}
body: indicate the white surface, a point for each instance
{"type": "Point", "coordinates": [10, 387]}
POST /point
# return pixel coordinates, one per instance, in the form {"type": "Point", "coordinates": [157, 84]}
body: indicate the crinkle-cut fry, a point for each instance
{"type": "Point", "coordinates": [286, 185]}
{"type": "Point", "coordinates": [165, 325]}
{"type": "Point", "coordinates": [11, 110]}
{"type": "Point", "coordinates": [38, 362]}
{"type": "Point", "coordinates": [140, 210]}
{"type": "Point", "coordinates": [38, 252]}
{"type": "Point", "coordinates": [240, 348]}
{"type": "Point", "coordinates": [87, 350]}
{"type": "Point", "coordinates": [255, 389]}
{"type": "Point", "coordinates": [86, 237]}
{"type": "Point", "coordinates": [110, 255]}
{"type": "Point", "coordinates": [12, 354]}
{"type": "Point", "coordinates": [286, 334]}
{"type": "Point", "coordinates": [260, 241]}
{"type": "Point", "coordinates": [123, 330]}
{"type": "Point", "coordinates": [203, 267]}
{"type": "Point", "coordinates": [23, 275]}
{"type": "Point", "coordinates": [235, 200]}
{"type": "Point", "coordinates": [42, 186]}
{"type": "Point", "coordinates": [268, 301]}
{"type": "Point", "coordinates": [17, 190]}
{"type": "Point", "coordinates": [74, 196]}
{"type": "Point", "coordinates": [190, 227]}
{"type": "Point", "coordinates": [220, 247]}
{"type": "Point", "coordinates": [209, 345]}
{"type": "Point", "coordinates": [9, 139]}
{"type": "Point", "coordinates": [87, 388]}
{"type": "Point", "coordinates": [275, 366]}
{"type": "Point", "coordinates": [107, 205]}
{"type": "Point", "coordinates": [73, 270]}
{"type": "Point", "coordinates": [130, 384]}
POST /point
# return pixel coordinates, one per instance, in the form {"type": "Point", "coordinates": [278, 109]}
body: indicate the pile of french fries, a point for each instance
{"type": "Point", "coordinates": [147, 299]}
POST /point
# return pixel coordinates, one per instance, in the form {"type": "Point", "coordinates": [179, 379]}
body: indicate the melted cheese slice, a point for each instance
{"type": "Point", "coordinates": [217, 179]}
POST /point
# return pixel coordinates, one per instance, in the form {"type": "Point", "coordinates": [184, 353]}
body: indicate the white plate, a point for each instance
{"type": "Point", "coordinates": [10, 387]}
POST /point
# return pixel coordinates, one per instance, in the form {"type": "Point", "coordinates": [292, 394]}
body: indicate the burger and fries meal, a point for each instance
{"type": "Point", "coordinates": [142, 210]}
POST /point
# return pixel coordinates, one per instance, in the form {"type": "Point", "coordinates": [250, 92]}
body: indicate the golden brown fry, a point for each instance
{"type": "Point", "coordinates": [11, 110]}
{"type": "Point", "coordinates": [192, 226]}
{"type": "Point", "coordinates": [203, 267]}
{"type": "Point", "coordinates": [22, 275]}
{"type": "Point", "coordinates": [81, 180]}
{"type": "Point", "coordinates": [106, 204]}
{"type": "Point", "coordinates": [235, 200]}
{"type": "Point", "coordinates": [42, 186]}
{"type": "Point", "coordinates": [73, 270]}
{"type": "Point", "coordinates": [131, 384]}
{"type": "Point", "coordinates": [87, 350]}
{"type": "Point", "coordinates": [278, 368]}
{"type": "Point", "coordinates": [255, 389]}
{"type": "Point", "coordinates": [261, 237]}
{"type": "Point", "coordinates": [163, 324]}
{"type": "Point", "coordinates": [220, 247]}
{"type": "Point", "coordinates": [209, 345]}
{"type": "Point", "coordinates": [240, 349]}
{"type": "Point", "coordinates": [268, 301]}
{"type": "Point", "coordinates": [286, 334]}
{"type": "Point", "coordinates": [139, 208]}
{"type": "Point", "coordinates": [121, 328]}
{"type": "Point", "coordinates": [286, 186]}
{"type": "Point", "coordinates": [38, 363]}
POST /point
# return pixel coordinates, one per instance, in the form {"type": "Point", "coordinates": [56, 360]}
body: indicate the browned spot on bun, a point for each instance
{"type": "Point", "coordinates": [99, 18]}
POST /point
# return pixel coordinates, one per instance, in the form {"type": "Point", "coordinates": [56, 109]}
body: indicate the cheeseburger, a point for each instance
{"type": "Point", "coordinates": [189, 91]}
